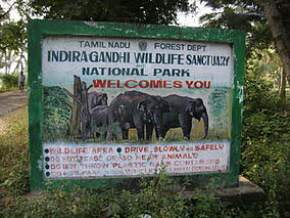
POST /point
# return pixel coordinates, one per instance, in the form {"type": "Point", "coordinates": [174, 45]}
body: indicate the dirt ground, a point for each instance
{"type": "Point", "coordinates": [10, 101]}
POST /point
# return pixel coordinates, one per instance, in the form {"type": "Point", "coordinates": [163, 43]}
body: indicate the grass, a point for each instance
{"type": "Point", "coordinates": [2, 89]}
{"type": "Point", "coordinates": [14, 152]}
{"type": "Point", "coordinates": [197, 133]}
{"type": "Point", "coordinates": [173, 135]}
{"type": "Point", "coordinates": [176, 135]}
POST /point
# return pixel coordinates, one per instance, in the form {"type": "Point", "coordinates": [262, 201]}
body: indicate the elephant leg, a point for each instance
{"type": "Point", "coordinates": [140, 132]}
{"type": "Point", "coordinates": [125, 134]}
{"type": "Point", "coordinates": [156, 133]}
{"type": "Point", "coordinates": [139, 124]}
{"type": "Point", "coordinates": [104, 133]}
{"type": "Point", "coordinates": [149, 131]}
{"type": "Point", "coordinates": [109, 135]}
{"type": "Point", "coordinates": [186, 124]}
{"type": "Point", "coordinates": [164, 132]}
{"type": "Point", "coordinates": [188, 129]}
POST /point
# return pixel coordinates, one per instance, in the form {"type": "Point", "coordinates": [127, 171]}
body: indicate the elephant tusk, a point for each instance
{"type": "Point", "coordinates": [186, 138]}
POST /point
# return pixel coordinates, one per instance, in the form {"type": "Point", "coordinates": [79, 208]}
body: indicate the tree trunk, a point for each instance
{"type": "Point", "coordinates": [5, 62]}
{"type": "Point", "coordinates": [75, 122]}
{"type": "Point", "coordinates": [8, 61]}
{"type": "Point", "coordinates": [277, 15]}
{"type": "Point", "coordinates": [80, 122]}
{"type": "Point", "coordinates": [85, 115]}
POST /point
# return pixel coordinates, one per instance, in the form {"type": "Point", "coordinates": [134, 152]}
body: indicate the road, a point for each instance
{"type": "Point", "coordinates": [10, 101]}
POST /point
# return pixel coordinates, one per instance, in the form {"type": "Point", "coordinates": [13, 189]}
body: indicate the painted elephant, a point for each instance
{"type": "Point", "coordinates": [100, 120]}
{"type": "Point", "coordinates": [96, 98]}
{"type": "Point", "coordinates": [181, 111]}
{"type": "Point", "coordinates": [90, 104]}
{"type": "Point", "coordinates": [134, 109]}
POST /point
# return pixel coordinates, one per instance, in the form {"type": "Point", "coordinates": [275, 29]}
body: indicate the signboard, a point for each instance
{"type": "Point", "coordinates": [116, 101]}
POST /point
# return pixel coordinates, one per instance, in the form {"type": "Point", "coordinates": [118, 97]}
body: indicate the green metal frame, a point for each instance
{"type": "Point", "coordinates": [39, 29]}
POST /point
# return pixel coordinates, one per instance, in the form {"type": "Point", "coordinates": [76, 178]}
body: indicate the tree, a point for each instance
{"type": "Point", "coordinates": [13, 35]}
{"type": "Point", "coordinates": [137, 11]}
{"type": "Point", "coordinates": [12, 44]}
{"type": "Point", "coordinates": [7, 6]}
{"type": "Point", "coordinates": [243, 15]}
{"type": "Point", "coordinates": [277, 14]}
{"type": "Point", "coordinates": [258, 18]}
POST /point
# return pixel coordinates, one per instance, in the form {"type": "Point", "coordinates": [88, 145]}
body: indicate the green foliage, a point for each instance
{"type": "Point", "coordinates": [13, 36]}
{"type": "Point", "coordinates": [266, 137]}
{"type": "Point", "coordinates": [245, 15]}
{"type": "Point", "coordinates": [138, 11]}
{"type": "Point", "coordinates": [154, 199]}
{"type": "Point", "coordinates": [12, 44]}
{"type": "Point", "coordinates": [8, 81]}
{"type": "Point", "coordinates": [264, 66]}
{"type": "Point", "coordinates": [57, 114]}
{"type": "Point", "coordinates": [14, 153]}
{"type": "Point", "coordinates": [266, 156]}
{"type": "Point", "coordinates": [57, 204]}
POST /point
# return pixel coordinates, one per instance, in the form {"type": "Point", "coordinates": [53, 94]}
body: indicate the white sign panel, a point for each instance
{"type": "Point", "coordinates": [127, 107]}
{"type": "Point", "coordinates": [92, 160]}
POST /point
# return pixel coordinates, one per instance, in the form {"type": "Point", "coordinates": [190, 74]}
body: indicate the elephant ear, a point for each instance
{"type": "Point", "coordinates": [93, 100]}
{"type": "Point", "coordinates": [199, 105]}
{"type": "Point", "coordinates": [104, 100]}
{"type": "Point", "coordinates": [189, 108]}
{"type": "Point", "coordinates": [122, 110]}
{"type": "Point", "coordinates": [199, 108]}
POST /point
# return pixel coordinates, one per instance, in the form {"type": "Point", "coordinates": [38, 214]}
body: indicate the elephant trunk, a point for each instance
{"type": "Point", "coordinates": [158, 130]}
{"type": "Point", "coordinates": [204, 117]}
{"type": "Point", "coordinates": [157, 123]}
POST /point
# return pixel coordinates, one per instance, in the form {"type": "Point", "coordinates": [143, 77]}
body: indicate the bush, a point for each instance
{"type": "Point", "coordinates": [266, 146]}
{"type": "Point", "coordinates": [153, 199]}
{"type": "Point", "coordinates": [57, 114]}
{"type": "Point", "coordinates": [8, 81]}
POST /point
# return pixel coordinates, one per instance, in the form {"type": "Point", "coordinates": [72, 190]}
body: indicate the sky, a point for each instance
{"type": "Point", "coordinates": [190, 19]}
